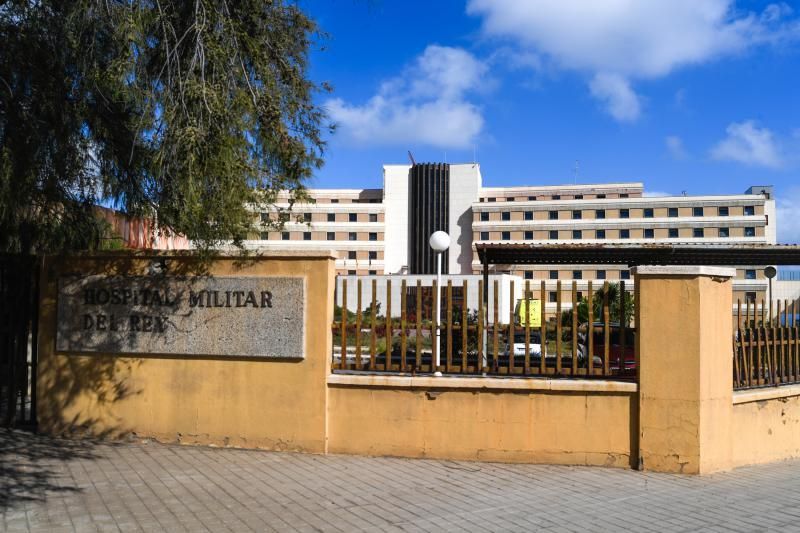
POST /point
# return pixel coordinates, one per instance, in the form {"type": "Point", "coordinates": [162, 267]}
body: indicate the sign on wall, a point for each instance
{"type": "Point", "coordinates": [530, 313]}
{"type": "Point", "coordinates": [226, 316]}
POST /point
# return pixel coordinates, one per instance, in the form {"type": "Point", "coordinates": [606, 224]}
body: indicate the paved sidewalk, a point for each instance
{"type": "Point", "coordinates": [63, 485]}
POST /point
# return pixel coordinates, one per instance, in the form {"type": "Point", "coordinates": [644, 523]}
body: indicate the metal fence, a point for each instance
{"type": "Point", "coordinates": [766, 344]}
{"type": "Point", "coordinates": [578, 338]}
{"type": "Point", "coordinates": [19, 278]}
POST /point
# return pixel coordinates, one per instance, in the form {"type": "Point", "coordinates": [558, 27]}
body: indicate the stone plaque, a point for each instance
{"type": "Point", "coordinates": [217, 316]}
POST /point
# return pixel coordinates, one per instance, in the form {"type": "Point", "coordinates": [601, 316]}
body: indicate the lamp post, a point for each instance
{"type": "Point", "coordinates": [770, 272]}
{"type": "Point", "coordinates": [439, 241]}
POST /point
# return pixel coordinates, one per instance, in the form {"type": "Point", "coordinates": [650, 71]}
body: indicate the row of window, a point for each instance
{"type": "Point", "coordinates": [330, 236]}
{"type": "Point", "coordinates": [649, 233]}
{"type": "Point", "coordinates": [648, 212]}
{"type": "Point", "coordinates": [331, 217]}
{"type": "Point", "coordinates": [553, 197]}
{"type": "Point", "coordinates": [373, 255]}
{"type": "Point", "coordinates": [351, 200]}
{"type": "Point", "coordinates": [578, 274]}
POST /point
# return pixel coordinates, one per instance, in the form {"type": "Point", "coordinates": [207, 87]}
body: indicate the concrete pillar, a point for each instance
{"type": "Point", "coordinates": [683, 318]}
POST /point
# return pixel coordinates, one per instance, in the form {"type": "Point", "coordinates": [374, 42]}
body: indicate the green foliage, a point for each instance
{"type": "Point", "coordinates": [193, 114]}
{"type": "Point", "coordinates": [614, 307]}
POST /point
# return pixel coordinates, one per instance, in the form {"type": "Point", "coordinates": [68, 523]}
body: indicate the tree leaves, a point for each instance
{"type": "Point", "coordinates": [191, 113]}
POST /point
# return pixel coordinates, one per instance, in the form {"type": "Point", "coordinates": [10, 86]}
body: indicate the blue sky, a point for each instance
{"type": "Point", "coordinates": [683, 95]}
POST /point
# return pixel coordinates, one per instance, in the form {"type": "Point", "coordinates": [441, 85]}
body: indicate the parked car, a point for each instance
{"type": "Point", "coordinates": [534, 345]}
{"type": "Point", "coordinates": [616, 353]}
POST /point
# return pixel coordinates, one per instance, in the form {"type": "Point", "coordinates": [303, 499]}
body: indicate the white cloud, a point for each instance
{"type": "Point", "coordinates": [748, 143]}
{"type": "Point", "coordinates": [631, 39]}
{"type": "Point", "coordinates": [675, 146]}
{"type": "Point", "coordinates": [656, 194]}
{"type": "Point", "coordinates": [788, 207]}
{"type": "Point", "coordinates": [426, 104]}
{"type": "Point", "coordinates": [615, 92]}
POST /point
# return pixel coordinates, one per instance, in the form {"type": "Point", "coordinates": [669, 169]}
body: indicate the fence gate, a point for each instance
{"type": "Point", "coordinates": [19, 306]}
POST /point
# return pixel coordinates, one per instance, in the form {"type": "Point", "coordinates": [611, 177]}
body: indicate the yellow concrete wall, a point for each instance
{"type": "Point", "coordinates": [685, 371]}
{"type": "Point", "coordinates": [557, 427]}
{"type": "Point", "coordinates": [766, 431]}
{"type": "Point", "coordinates": [275, 404]}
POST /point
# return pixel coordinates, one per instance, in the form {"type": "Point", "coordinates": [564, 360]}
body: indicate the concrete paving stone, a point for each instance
{"type": "Point", "coordinates": [154, 487]}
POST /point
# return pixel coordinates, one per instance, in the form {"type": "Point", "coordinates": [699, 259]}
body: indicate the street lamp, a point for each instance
{"type": "Point", "coordinates": [439, 241]}
{"type": "Point", "coordinates": [770, 272]}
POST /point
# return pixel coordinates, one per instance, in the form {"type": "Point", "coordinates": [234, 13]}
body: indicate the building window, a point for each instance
{"type": "Point", "coordinates": [579, 295]}
{"type": "Point", "coordinates": [306, 235]}
{"type": "Point", "coordinates": [552, 296]}
{"type": "Point", "coordinates": [528, 274]}
{"type": "Point", "coordinates": [372, 272]}
{"type": "Point", "coordinates": [749, 274]}
{"type": "Point", "coordinates": [505, 215]}
{"type": "Point", "coordinates": [624, 213]}
{"type": "Point", "coordinates": [350, 272]}
{"type": "Point", "coordinates": [352, 236]}
{"type": "Point", "coordinates": [553, 234]}
{"type": "Point", "coordinates": [373, 236]}
{"type": "Point", "coordinates": [750, 297]}
{"type": "Point", "coordinates": [601, 274]}
{"type": "Point", "coordinates": [492, 199]}
{"type": "Point", "coordinates": [528, 235]}
{"type": "Point", "coordinates": [531, 198]}
{"type": "Point", "coordinates": [264, 217]}
{"type": "Point", "coordinates": [600, 234]}
{"type": "Point", "coordinates": [484, 216]}
{"type": "Point", "coordinates": [697, 211]}
{"type": "Point", "coordinates": [264, 235]}
{"type": "Point", "coordinates": [373, 255]}
{"type": "Point", "coordinates": [331, 217]}
{"type": "Point", "coordinates": [284, 235]}
{"type": "Point", "coordinates": [554, 274]}
{"type": "Point", "coordinates": [579, 197]}
{"type": "Point", "coordinates": [528, 215]}
{"type": "Point", "coordinates": [722, 211]}
{"type": "Point", "coordinates": [484, 235]}
{"type": "Point", "coordinates": [373, 217]}
{"type": "Point", "coordinates": [724, 232]}
{"type": "Point", "coordinates": [749, 210]}
{"type": "Point", "coordinates": [672, 212]}
{"type": "Point", "coordinates": [649, 233]}
{"type": "Point", "coordinates": [672, 233]}
{"type": "Point", "coordinates": [351, 255]}
{"type": "Point", "coordinates": [577, 234]}
{"type": "Point", "coordinates": [556, 197]}
{"type": "Point", "coordinates": [623, 195]}
{"type": "Point", "coordinates": [506, 235]}
{"type": "Point", "coordinates": [625, 274]}
{"type": "Point", "coordinates": [648, 212]}
{"type": "Point", "coordinates": [697, 232]}
{"type": "Point", "coordinates": [600, 213]}
{"type": "Point", "coordinates": [749, 232]}
{"type": "Point", "coordinates": [331, 236]}
{"type": "Point", "coordinates": [624, 234]}
{"type": "Point", "coordinates": [577, 214]}
{"type": "Point", "coordinates": [577, 274]}
{"type": "Point", "coordinates": [352, 217]}
{"type": "Point", "coordinates": [552, 215]}
{"type": "Point", "coordinates": [601, 196]}
{"type": "Point", "coordinates": [306, 217]}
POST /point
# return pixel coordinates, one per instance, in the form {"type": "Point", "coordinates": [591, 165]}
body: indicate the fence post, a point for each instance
{"type": "Point", "coordinates": [684, 325]}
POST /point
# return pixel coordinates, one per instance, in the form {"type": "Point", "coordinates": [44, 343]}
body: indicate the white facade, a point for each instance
{"type": "Point", "coordinates": [395, 201]}
{"type": "Point", "coordinates": [465, 187]}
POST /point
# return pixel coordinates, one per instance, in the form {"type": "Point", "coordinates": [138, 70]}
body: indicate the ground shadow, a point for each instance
{"type": "Point", "coordinates": [33, 466]}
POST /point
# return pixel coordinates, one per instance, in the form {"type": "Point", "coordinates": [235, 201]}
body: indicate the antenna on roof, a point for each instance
{"type": "Point", "coordinates": [411, 157]}
{"type": "Point", "coordinates": [474, 156]}
{"type": "Point", "coordinates": [575, 172]}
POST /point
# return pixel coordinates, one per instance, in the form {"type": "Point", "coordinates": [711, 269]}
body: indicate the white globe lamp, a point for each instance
{"type": "Point", "coordinates": [439, 241]}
